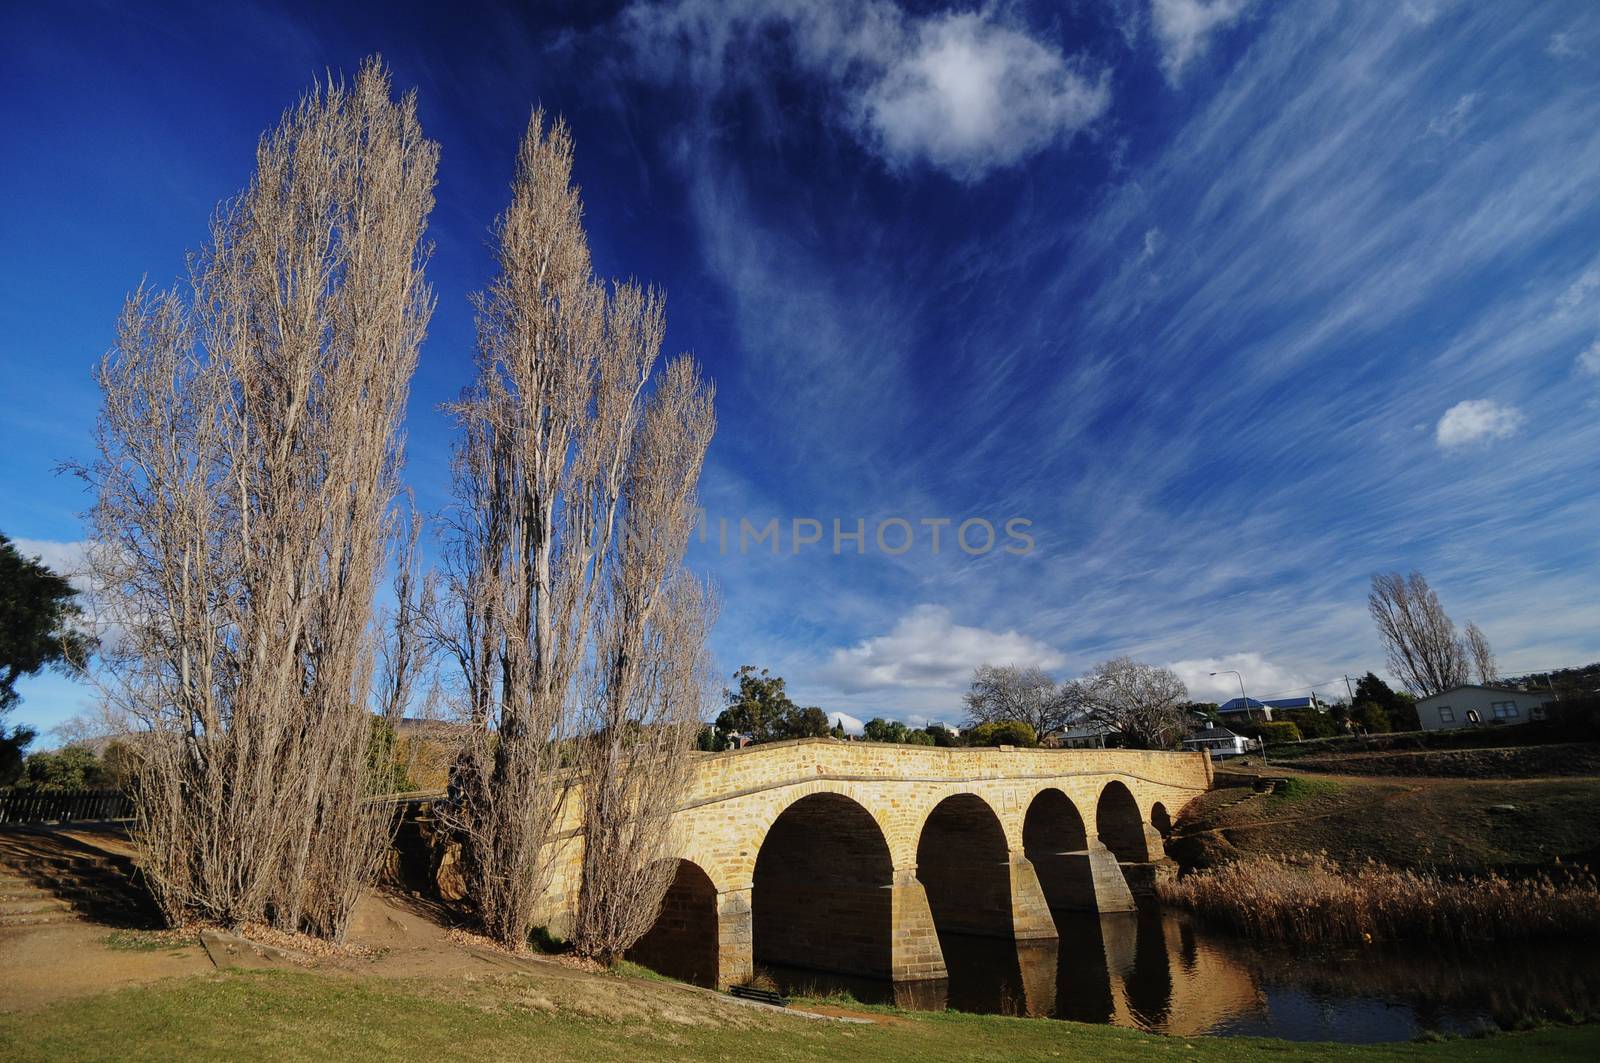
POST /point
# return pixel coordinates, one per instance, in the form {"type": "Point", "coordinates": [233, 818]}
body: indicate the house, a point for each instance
{"type": "Point", "coordinates": [1262, 710]}
{"type": "Point", "coordinates": [1218, 741]}
{"type": "Point", "coordinates": [1475, 706]}
{"type": "Point", "coordinates": [1086, 736]}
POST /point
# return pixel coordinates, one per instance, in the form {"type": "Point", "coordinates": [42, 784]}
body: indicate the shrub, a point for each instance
{"type": "Point", "coordinates": [66, 769]}
{"type": "Point", "coordinates": [1312, 724]}
{"type": "Point", "coordinates": [1372, 717]}
{"type": "Point", "coordinates": [1284, 731]}
{"type": "Point", "coordinates": [1002, 733]}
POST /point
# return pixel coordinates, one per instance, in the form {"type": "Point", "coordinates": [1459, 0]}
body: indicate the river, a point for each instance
{"type": "Point", "coordinates": [1165, 972]}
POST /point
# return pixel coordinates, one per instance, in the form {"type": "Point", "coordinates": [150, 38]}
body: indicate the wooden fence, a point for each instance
{"type": "Point", "coordinates": [32, 806]}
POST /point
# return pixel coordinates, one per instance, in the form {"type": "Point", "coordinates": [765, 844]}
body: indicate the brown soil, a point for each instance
{"type": "Point", "coordinates": [392, 936]}
{"type": "Point", "coordinates": [44, 964]}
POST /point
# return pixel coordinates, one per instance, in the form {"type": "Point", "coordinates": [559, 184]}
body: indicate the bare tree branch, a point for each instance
{"type": "Point", "coordinates": [1419, 638]}
{"type": "Point", "coordinates": [1482, 656]}
{"type": "Point", "coordinates": [1139, 702]}
{"type": "Point", "coordinates": [1001, 693]}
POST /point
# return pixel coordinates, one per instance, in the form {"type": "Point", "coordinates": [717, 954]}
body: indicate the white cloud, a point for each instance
{"type": "Point", "coordinates": [1262, 678]}
{"type": "Point", "coordinates": [1183, 29]}
{"type": "Point", "coordinates": [1580, 290]}
{"type": "Point", "coordinates": [1560, 45]}
{"type": "Point", "coordinates": [963, 92]}
{"type": "Point", "coordinates": [1423, 12]}
{"type": "Point", "coordinates": [1152, 244]}
{"type": "Point", "coordinates": [1452, 122]}
{"type": "Point", "coordinates": [1588, 362]}
{"type": "Point", "coordinates": [927, 649]}
{"type": "Point", "coordinates": [852, 726]}
{"type": "Point", "coordinates": [1477, 421]}
{"type": "Point", "coordinates": [969, 96]}
{"type": "Point", "coordinates": [63, 558]}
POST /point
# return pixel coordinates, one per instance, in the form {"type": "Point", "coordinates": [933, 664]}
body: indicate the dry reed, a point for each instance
{"type": "Point", "coordinates": [1312, 899]}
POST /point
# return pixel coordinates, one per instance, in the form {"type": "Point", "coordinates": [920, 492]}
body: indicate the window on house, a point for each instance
{"type": "Point", "coordinates": [1504, 710]}
{"type": "Point", "coordinates": [1446, 714]}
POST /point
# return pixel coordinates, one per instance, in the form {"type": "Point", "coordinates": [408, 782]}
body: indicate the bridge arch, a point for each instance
{"type": "Point", "coordinates": [1161, 820]}
{"type": "Point", "coordinates": [1056, 842]}
{"type": "Point", "coordinates": [964, 865]}
{"type": "Point", "coordinates": [683, 943]}
{"type": "Point", "coordinates": [1119, 822]}
{"type": "Point", "coordinates": [821, 889]}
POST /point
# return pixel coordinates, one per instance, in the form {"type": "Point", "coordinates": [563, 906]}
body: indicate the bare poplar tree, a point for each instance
{"type": "Point", "coordinates": [1000, 693]}
{"type": "Point", "coordinates": [249, 448]}
{"type": "Point", "coordinates": [404, 650]}
{"type": "Point", "coordinates": [650, 672]}
{"type": "Point", "coordinates": [577, 634]}
{"type": "Point", "coordinates": [1478, 649]}
{"type": "Point", "coordinates": [1419, 638]}
{"type": "Point", "coordinates": [1140, 702]}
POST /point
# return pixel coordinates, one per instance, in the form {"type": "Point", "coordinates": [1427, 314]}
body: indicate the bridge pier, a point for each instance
{"type": "Point", "coordinates": [1088, 880]}
{"type": "Point", "coordinates": [1155, 846]}
{"type": "Point", "coordinates": [915, 954]}
{"type": "Point", "coordinates": [1030, 909]}
{"type": "Point", "coordinates": [736, 962]}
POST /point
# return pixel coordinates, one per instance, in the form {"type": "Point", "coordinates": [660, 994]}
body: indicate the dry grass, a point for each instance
{"type": "Point", "coordinates": [1312, 899]}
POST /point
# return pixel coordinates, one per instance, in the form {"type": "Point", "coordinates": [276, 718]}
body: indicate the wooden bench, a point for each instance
{"type": "Point", "coordinates": [764, 996]}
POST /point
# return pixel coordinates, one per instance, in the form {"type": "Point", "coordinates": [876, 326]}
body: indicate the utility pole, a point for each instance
{"type": "Point", "coordinates": [1349, 691]}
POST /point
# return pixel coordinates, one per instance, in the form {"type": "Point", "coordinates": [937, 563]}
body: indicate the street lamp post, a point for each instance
{"type": "Point", "coordinates": [1243, 701]}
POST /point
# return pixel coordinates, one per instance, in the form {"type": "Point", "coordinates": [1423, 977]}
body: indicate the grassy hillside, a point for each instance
{"type": "Point", "coordinates": [276, 1016]}
{"type": "Point", "coordinates": [1455, 824]}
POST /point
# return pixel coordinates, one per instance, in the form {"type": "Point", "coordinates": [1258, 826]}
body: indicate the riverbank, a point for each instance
{"type": "Point", "coordinates": [251, 1015]}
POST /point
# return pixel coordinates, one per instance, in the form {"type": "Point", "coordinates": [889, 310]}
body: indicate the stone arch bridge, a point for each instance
{"type": "Point", "coordinates": [855, 857]}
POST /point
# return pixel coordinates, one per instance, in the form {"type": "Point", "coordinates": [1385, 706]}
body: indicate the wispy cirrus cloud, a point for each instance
{"type": "Point", "coordinates": [1452, 122]}
{"type": "Point", "coordinates": [1225, 428]}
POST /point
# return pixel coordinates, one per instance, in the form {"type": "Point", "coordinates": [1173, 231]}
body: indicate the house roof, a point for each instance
{"type": "Point", "coordinates": [1239, 704]}
{"type": "Point", "coordinates": [1546, 694]}
{"type": "Point", "coordinates": [1210, 732]}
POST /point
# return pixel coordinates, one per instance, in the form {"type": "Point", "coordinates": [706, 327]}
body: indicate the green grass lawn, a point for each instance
{"type": "Point", "coordinates": [277, 1016]}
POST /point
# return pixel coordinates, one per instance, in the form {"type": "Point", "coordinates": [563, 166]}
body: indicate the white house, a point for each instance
{"type": "Point", "coordinates": [1474, 706]}
{"type": "Point", "coordinates": [1218, 741]}
{"type": "Point", "coordinates": [1086, 736]}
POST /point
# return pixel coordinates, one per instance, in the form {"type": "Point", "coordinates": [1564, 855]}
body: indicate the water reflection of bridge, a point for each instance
{"type": "Point", "coordinates": [1145, 970]}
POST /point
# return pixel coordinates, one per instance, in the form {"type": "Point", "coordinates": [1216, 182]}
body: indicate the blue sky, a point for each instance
{"type": "Point", "coordinates": [1236, 302]}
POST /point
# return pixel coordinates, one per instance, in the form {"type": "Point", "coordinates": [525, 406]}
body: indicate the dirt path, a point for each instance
{"type": "Point", "coordinates": [41, 965]}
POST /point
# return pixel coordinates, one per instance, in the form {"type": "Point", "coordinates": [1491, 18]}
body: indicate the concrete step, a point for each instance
{"type": "Point", "coordinates": [34, 906]}
{"type": "Point", "coordinates": [42, 919]}
{"type": "Point", "coordinates": [20, 890]}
